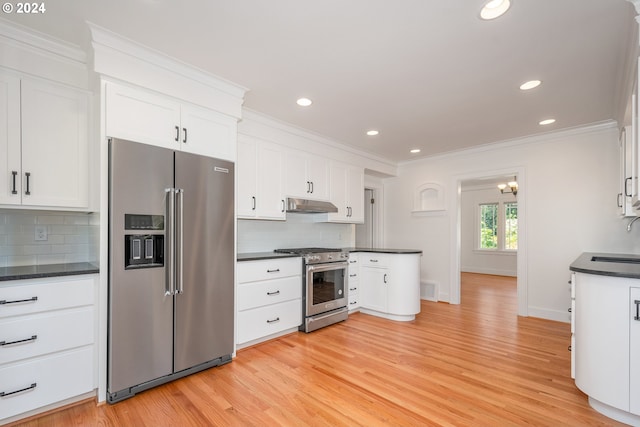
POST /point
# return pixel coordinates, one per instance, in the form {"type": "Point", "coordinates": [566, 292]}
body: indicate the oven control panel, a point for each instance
{"type": "Point", "coordinates": [324, 257]}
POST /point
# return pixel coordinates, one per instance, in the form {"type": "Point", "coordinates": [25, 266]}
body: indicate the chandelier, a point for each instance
{"type": "Point", "coordinates": [509, 187]}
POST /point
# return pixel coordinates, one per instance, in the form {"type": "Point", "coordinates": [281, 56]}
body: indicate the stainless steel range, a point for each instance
{"type": "Point", "coordinates": [324, 281]}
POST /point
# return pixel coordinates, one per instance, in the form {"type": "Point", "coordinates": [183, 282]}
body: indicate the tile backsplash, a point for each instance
{"type": "Point", "coordinates": [66, 237]}
{"type": "Point", "coordinates": [299, 230]}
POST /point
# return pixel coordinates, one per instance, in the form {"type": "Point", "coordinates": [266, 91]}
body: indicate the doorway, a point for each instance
{"type": "Point", "coordinates": [456, 232]}
{"type": "Point", "coordinates": [488, 235]}
{"type": "Point", "coordinates": [367, 233]}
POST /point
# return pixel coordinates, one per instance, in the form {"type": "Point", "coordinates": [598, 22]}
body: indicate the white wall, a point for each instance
{"type": "Point", "coordinates": [569, 183]}
{"type": "Point", "coordinates": [471, 259]}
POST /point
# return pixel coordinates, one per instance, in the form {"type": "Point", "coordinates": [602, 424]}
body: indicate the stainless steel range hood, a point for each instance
{"type": "Point", "coordinates": [310, 206]}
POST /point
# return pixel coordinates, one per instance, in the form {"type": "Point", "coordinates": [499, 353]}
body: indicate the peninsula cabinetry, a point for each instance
{"type": "Point", "coordinates": [259, 169]}
{"type": "Point", "coordinates": [390, 284]}
{"type": "Point", "coordinates": [607, 344]}
{"type": "Point", "coordinates": [354, 282]}
{"type": "Point", "coordinates": [46, 342]}
{"type": "Point", "coordinates": [144, 116]}
{"type": "Point", "coordinates": [44, 143]}
{"type": "Point", "coordinates": [269, 299]}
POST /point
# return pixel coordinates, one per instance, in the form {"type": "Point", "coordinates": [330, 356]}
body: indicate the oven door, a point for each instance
{"type": "Point", "coordinates": [326, 287]}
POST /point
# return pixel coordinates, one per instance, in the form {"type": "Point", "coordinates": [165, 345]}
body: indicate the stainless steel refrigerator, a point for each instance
{"type": "Point", "coordinates": [171, 266]}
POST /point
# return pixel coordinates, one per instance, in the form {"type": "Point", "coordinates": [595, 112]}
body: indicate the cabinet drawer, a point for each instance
{"type": "Point", "coordinates": [252, 271]}
{"type": "Point", "coordinates": [354, 301]}
{"type": "Point", "coordinates": [370, 259]}
{"type": "Point", "coordinates": [53, 332]}
{"type": "Point", "coordinates": [257, 294]}
{"type": "Point", "coordinates": [35, 297]}
{"type": "Point", "coordinates": [271, 319]}
{"type": "Point", "coordinates": [45, 381]}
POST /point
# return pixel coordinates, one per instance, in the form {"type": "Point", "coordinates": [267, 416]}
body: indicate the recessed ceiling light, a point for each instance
{"type": "Point", "coordinates": [547, 122]}
{"type": "Point", "coordinates": [531, 84]}
{"type": "Point", "coordinates": [304, 102]}
{"type": "Point", "coordinates": [415, 150]}
{"type": "Point", "coordinates": [494, 8]}
{"type": "Point", "coordinates": [372, 132]}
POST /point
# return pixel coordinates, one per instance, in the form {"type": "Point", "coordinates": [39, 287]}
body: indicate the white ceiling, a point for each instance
{"type": "Point", "coordinates": [427, 74]}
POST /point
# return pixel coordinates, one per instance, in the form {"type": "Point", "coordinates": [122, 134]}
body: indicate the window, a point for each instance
{"type": "Point", "coordinates": [489, 226]}
{"type": "Point", "coordinates": [511, 226]}
{"type": "Point", "coordinates": [498, 226]}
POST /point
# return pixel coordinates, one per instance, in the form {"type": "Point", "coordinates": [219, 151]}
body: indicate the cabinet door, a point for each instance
{"type": "Point", "coordinates": [247, 172]}
{"type": "Point", "coordinates": [373, 288]}
{"type": "Point", "coordinates": [355, 195]}
{"type": "Point", "coordinates": [634, 353]}
{"type": "Point", "coordinates": [208, 133]}
{"type": "Point", "coordinates": [296, 182]}
{"type": "Point", "coordinates": [602, 338]}
{"type": "Point", "coordinates": [55, 141]}
{"type": "Point", "coordinates": [10, 168]}
{"type": "Point", "coordinates": [271, 203]}
{"type": "Point", "coordinates": [338, 191]}
{"type": "Point", "coordinates": [141, 116]}
{"type": "Point", "coordinates": [318, 175]}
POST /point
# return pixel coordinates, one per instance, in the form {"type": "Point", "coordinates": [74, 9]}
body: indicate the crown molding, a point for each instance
{"type": "Point", "coordinates": [524, 140]}
{"type": "Point", "coordinates": [33, 40]}
{"type": "Point", "coordinates": [636, 4]}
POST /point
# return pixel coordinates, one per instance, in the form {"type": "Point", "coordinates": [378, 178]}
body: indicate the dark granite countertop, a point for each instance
{"type": "Point", "coordinates": [615, 265]}
{"type": "Point", "coordinates": [49, 270]}
{"type": "Point", "coordinates": [256, 256]}
{"type": "Point", "coordinates": [385, 250]}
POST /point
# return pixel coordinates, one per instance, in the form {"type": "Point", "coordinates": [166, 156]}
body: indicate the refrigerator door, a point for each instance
{"type": "Point", "coordinates": [205, 264]}
{"type": "Point", "coordinates": [140, 325]}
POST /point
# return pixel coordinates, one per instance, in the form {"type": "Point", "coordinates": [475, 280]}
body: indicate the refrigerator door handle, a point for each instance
{"type": "Point", "coordinates": [169, 284]}
{"type": "Point", "coordinates": [180, 240]}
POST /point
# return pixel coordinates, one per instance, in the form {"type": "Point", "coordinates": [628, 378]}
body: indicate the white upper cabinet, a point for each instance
{"type": "Point", "coordinates": [259, 170]}
{"type": "Point", "coordinates": [142, 116]}
{"type": "Point", "coordinates": [11, 177]}
{"type": "Point", "coordinates": [44, 139]}
{"type": "Point", "coordinates": [347, 193]}
{"type": "Point", "coordinates": [306, 175]}
{"type": "Point", "coordinates": [628, 175]}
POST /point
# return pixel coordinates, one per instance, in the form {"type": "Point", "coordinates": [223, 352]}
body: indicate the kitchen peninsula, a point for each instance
{"type": "Point", "coordinates": [606, 332]}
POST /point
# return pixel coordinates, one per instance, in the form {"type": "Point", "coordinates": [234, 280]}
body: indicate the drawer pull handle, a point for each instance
{"type": "Point", "coordinates": [352, 262]}
{"type": "Point", "coordinates": [637, 316]}
{"type": "Point", "coordinates": [31, 387]}
{"type": "Point", "coordinates": [277, 319]}
{"type": "Point", "coordinates": [353, 303]}
{"type": "Point", "coordinates": [32, 299]}
{"type": "Point", "coordinates": [273, 293]}
{"type": "Point", "coordinates": [273, 271]}
{"type": "Point", "coordinates": [373, 260]}
{"type": "Point", "coordinates": [352, 275]}
{"type": "Point", "coordinates": [353, 289]}
{"type": "Point", "coordinates": [33, 338]}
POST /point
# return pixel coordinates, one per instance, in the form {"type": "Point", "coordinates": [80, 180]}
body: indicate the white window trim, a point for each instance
{"type": "Point", "coordinates": [500, 250]}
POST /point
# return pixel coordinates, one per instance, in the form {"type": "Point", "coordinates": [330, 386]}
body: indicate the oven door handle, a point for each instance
{"type": "Point", "coordinates": [328, 266]}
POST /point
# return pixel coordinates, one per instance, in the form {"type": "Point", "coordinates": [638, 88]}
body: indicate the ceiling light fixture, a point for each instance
{"type": "Point", "coordinates": [372, 132]}
{"type": "Point", "coordinates": [304, 102]}
{"type": "Point", "coordinates": [513, 187]}
{"type": "Point", "coordinates": [531, 84]}
{"type": "Point", "coordinates": [415, 150]}
{"type": "Point", "coordinates": [547, 122]}
{"type": "Point", "coordinates": [494, 8]}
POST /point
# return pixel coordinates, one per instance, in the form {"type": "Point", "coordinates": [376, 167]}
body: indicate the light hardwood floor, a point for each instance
{"type": "Point", "coordinates": [473, 364]}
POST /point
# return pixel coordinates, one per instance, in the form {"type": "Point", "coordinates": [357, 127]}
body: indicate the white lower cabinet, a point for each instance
{"type": "Point", "coordinates": [46, 342]}
{"type": "Point", "coordinates": [607, 344]}
{"type": "Point", "coordinates": [353, 282]}
{"type": "Point", "coordinates": [269, 299]}
{"type": "Point", "coordinates": [389, 285]}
